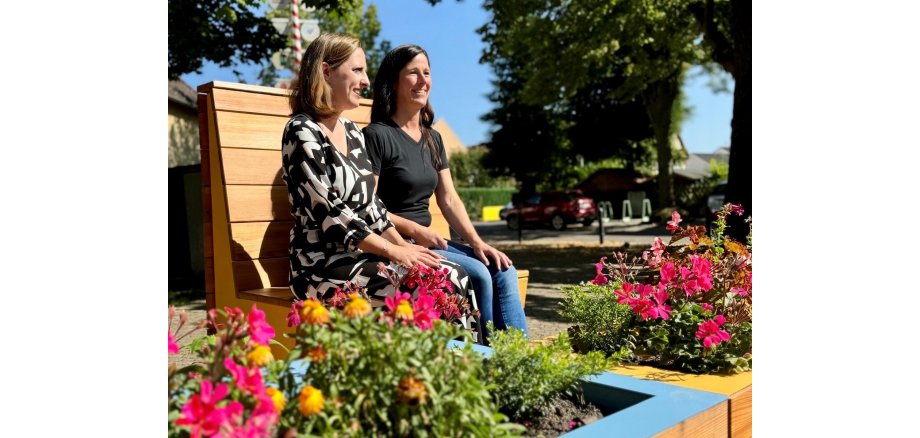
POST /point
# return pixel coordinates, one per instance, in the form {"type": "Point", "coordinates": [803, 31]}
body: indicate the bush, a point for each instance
{"type": "Point", "coordinates": [525, 377]}
{"type": "Point", "coordinates": [602, 324]}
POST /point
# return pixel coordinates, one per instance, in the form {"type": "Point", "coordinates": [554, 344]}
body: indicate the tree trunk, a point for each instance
{"type": "Point", "coordinates": [659, 100]}
{"type": "Point", "coordinates": [738, 190]}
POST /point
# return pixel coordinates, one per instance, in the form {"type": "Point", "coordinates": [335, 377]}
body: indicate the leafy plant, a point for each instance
{"type": "Point", "coordinates": [602, 322]}
{"type": "Point", "coordinates": [692, 305]}
{"type": "Point", "coordinates": [525, 377]}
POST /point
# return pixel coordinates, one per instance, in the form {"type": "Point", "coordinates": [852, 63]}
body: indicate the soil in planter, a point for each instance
{"type": "Point", "coordinates": [559, 416]}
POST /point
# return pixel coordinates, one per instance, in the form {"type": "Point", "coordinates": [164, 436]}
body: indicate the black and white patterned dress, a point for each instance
{"type": "Point", "coordinates": [334, 207]}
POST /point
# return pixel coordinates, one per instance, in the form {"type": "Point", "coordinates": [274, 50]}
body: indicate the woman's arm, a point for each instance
{"type": "Point", "coordinates": [459, 220]}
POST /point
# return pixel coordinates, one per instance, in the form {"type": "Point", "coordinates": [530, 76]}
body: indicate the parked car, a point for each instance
{"type": "Point", "coordinates": [558, 209]}
{"type": "Point", "coordinates": [714, 202]}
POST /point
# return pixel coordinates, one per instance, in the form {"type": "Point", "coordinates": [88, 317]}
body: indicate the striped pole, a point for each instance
{"type": "Point", "coordinates": [295, 27]}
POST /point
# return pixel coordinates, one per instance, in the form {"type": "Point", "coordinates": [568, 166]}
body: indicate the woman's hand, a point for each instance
{"type": "Point", "coordinates": [409, 256]}
{"type": "Point", "coordinates": [484, 252]}
{"type": "Point", "coordinates": [428, 238]}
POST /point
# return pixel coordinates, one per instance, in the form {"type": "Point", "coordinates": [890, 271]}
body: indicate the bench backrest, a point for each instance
{"type": "Point", "coordinates": [247, 217]}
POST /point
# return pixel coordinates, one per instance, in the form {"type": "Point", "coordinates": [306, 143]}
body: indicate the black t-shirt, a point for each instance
{"type": "Point", "coordinates": [407, 176]}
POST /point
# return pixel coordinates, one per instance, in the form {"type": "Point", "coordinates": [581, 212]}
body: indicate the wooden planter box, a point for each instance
{"type": "Point", "coordinates": [737, 388]}
{"type": "Point", "coordinates": [635, 407]}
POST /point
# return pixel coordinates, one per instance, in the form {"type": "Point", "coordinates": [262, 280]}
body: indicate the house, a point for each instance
{"type": "Point", "coordinates": [452, 143]}
{"type": "Point", "coordinates": [186, 245]}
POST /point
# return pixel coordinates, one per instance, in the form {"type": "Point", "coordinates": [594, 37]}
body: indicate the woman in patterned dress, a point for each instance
{"type": "Point", "coordinates": [341, 230]}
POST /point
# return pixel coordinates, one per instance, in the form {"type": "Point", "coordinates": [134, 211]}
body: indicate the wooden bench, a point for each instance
{"type": "Point", "coordinates": [247, 217]}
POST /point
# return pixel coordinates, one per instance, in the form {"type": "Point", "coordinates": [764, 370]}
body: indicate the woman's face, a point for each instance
{"type": "Point", "coordinates": [414, 83]}
{"type": "Point", "coordinates": [347, 80]}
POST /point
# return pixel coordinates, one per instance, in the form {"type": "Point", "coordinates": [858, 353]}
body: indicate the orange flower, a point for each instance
{"type": "Point", "coordinates": [317, 354]}
{"type": "Point", "coordinates": [411, 391]}
{"type": "Point", "coordinates": [357, 307]}
{"type": "Point", "coordinates": [314, 313]}
{"type": "Point", "coordinates": [310, 401]}
{"type": "Point", "coordinates": [260, 356]}
{"type": "Point", "coordinates": [277, 398]}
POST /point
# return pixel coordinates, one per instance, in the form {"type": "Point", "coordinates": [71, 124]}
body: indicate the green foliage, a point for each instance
{"type": "Point", "coordinates": [226, 32]}
{"type": "Point", "coordinates": [467, 170]}
{"type": "Point", "coordinates": [691, 305]}
{"type": "Point", "coordinates": [474, 198]}
{"type": "Point", "coordinates": [382, 380]}
{"type": "Point", "coordinates": [524, 377]}
{"type": "Point", "coordinates": [602, 324]}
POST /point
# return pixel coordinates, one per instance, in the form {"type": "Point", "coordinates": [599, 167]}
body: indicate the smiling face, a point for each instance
{"type": "Point", "coordinates": [414, 83]}
{"type": "Point", "coordinates": [347, 80]}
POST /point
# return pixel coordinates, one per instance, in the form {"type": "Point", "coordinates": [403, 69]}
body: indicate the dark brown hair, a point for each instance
{"type": "Point", "coordinates": [385, 93]}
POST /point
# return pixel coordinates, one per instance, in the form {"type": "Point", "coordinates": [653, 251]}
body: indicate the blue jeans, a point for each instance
{"type": "Point", "coordinates": [487, 279]}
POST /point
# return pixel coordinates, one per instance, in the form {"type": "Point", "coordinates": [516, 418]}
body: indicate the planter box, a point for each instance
{"type": "Point", "coordinates": [737, 387]}
{"type": "Point", "coordinates": [634, 407]}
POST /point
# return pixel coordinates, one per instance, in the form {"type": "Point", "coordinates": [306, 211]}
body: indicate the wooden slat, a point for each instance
{"type": "Point", "coordinates": [278, 296]}
{"type": "Point", "coordinates": [267, 100]}
{"type": "Point", "coordinates": [252, 166]}
{"type": "Point", "coordinates": [741, 413]}
{"type": "Point", "coordinates": [360, 115]}
{"type": "Point", "coordinates": [251, 131]}
{"type": "Point", "coordinates": [260, 240]}
{"type": "Point", "coordinates": [258, 204]}
{"type": "Point", "coordinates": [438, 221]}
{"type": "Point", "coordinates": [204, 139]}
{"type": "Point", "coordinates": [208, 240]}
{"type": "Point", "coordinates": [258, 274]}
{"type": "Point", "coordinates": [205, 200]}
{"type": "Point", "coordinates": [709, 423]}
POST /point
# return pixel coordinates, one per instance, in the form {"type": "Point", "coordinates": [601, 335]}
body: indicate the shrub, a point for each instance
{"type": "Point", "coordinates": [691, 304]}
{"type": "Point", "coordinates": [525, 377]}
{"type": "Point", "coordinates": [474, 198]}
{"type": "Point", "coordinates": [602, 322]}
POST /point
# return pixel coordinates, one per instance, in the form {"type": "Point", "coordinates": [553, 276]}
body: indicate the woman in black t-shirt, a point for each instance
{"type": "Point", "coordinates": [410, 163]}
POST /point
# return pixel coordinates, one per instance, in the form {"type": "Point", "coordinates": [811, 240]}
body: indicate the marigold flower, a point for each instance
{"type": "Point", "coordinates": [277, 398]}
{"type": "Point", "coordinates": [357, 307]}
{"type": "Point", "coordinates": [411, 391]}
{"type": "Point", "coordinates": [314, 313]}
{"type": "Point", "coordinates": [260, 356]}
{"type": "Point", "coordinates": [317, 353]}
{"type": "Point", "coordinates": [311, 401]}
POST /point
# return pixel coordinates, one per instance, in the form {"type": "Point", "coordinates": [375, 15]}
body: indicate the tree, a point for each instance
{"type": "Point", "coordinates": [568, 45]}
{"type": "Point", "coordinates": [226, 32]}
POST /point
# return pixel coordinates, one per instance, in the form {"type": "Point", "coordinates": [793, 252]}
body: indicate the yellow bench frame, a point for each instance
{"type": "Point", "coordinates": [245, 204]}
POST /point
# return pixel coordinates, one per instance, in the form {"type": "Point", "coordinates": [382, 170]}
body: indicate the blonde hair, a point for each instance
{"type": "Point", "coordinates": [311, 94]}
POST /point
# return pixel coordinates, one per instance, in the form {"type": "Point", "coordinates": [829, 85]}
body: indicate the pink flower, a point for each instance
{"type": "Point", "coordinates": [173, 346]}
{"type": "Point", "coordinates": [393, 301]}
{"type": "Point", "coordinates": [702, 269]}
{"type": "Point", "coordinates": [644, 308]}
{"type": "Point", "coordinates": [707, 307]}
{"type": "Point", "coordinates": [425, 312]}
{"type": "Point", "coordinates": [247, 379]}
{"type": "Point", "coordinates": [668, 273]}
{"type": "Point", "coordinates": [660, 309]}
{"type": "Point", "coordinates": [658, 245]}
{"type": "Point", "coordinates": [624, 294]}
{"type": "Point", "coordinates": [293, 317]}
{"type": "Point", "coordinates": [600, 278]}
{"type": "Point", "coordinates": [737, 209]}
{"type": "Point", "coordinates": [260, 332]}
{"type": "Point", "coordinates": [673, 223]}
{"type": "Point", "coordinates": [710, 332]}
{"type": "Point", "coordinates": [739, 291]}
{"type": "Point", "coordinates": [201, 411]}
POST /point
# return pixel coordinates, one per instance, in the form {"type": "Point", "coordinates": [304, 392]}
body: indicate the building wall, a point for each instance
{"type": "Point", "coordinates": [186, 242]}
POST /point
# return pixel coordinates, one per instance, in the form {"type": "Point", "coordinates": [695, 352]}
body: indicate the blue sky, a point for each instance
{"type": "Point", "coordinates": [460, 84]}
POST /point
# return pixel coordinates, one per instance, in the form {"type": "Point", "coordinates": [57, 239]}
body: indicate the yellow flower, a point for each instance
{"type": "Point", "coordinates": [317, 354]}
{"type": "Point", "coordinates": [314, 313]}
{"type": "Point", "coordinates": [357, 307]}
{"type": "Point", "coordinates": [260, 356]}
{"type": "Point", "coordinates": [311, 401]}
{"type": "Point", "coordinates": [277, 398]}
{"type": "Point", "coordinates": [411, 391]}
{"type": "Point", "coordinates": [404, 311]}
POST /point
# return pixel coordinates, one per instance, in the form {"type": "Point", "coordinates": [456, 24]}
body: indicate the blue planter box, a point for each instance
{"type": "Point", "coordinates": [642, 408]}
